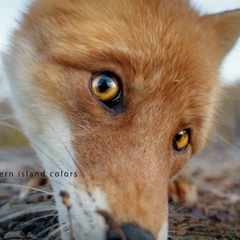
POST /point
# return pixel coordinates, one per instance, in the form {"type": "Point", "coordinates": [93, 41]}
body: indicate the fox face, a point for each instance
{"type": "Point", "coordinates": [122, 93]}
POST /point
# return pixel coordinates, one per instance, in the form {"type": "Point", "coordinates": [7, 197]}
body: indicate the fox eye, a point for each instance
{"type": "Point", "coordinates": [107, 88]}
{"type": "Point", "coordinates": [181, 140]}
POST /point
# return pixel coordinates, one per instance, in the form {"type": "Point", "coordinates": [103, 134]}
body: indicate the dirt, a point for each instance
{"type": "Point", "coordinates": [216, 215]}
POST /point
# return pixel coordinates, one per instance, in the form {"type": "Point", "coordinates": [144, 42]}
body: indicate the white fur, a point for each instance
{"type": "Point", "coordinates": [50, 135]}
{"type": "Point", "coordinates": [88, 225]}
{"type": "Point", "coordinates": [163, 233]}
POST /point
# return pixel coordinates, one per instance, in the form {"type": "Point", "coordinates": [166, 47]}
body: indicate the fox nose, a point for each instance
{"type": "Point", "coordinates": [129, 232]}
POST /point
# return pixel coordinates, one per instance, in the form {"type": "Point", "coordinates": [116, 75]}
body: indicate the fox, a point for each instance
{"type": "Point", "coordinates": [116, 95]}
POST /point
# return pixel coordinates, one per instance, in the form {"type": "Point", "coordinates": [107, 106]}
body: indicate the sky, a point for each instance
{"type": "Point", "coordinates": [10, 13]}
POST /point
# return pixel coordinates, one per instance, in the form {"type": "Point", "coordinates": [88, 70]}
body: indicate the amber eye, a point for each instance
{"type": "Point", "coordinates": [105, 87]}
{"type": "Point", "coordinates": [181, 140]}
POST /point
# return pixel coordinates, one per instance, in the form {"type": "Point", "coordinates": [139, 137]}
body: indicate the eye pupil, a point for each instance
{"type": "Point", "coordinates": [105, 83]}
{"type": "Point", "coordinates": [179, 135]}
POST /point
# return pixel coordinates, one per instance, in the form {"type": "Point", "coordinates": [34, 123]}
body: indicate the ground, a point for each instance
{"type": "Point", "coordinates": [216, 215]}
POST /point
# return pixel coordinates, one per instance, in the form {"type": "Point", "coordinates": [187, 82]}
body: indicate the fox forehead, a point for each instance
{"type": "Point", "coordinates": [91, 34]}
